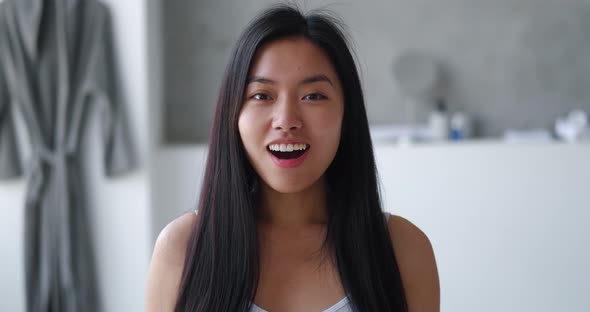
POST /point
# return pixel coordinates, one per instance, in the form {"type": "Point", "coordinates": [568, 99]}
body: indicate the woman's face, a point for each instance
{"type": "Point", "coordinates": [291, 118]}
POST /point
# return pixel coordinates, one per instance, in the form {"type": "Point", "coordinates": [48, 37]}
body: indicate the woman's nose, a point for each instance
{"type": "Point", "coordinates": [287, 116]}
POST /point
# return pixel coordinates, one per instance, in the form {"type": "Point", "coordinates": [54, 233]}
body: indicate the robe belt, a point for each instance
{"type": "Point", "coordinates": [52, 157]}
{"type": "Point", "coordinates": [57, 161]}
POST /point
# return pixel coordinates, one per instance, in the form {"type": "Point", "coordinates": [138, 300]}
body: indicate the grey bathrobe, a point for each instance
{"type": "Point", "coordinates": [56, 60]}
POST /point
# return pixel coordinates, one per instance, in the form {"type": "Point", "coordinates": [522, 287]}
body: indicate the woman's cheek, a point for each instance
{"type": "Point", "coordinates": [329, 121]}
{"type": "Point", "coordinates": [251, 129]}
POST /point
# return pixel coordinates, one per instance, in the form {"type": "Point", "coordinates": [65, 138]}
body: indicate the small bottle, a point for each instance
{"type": "Point", "coordinates": [438, 122]}
{"type": "Point", "coordinates": [460, 126]}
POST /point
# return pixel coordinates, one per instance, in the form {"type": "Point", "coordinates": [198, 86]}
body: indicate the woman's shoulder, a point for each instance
{"type": "Point", "coordinates": [404, 232]}
{"type": "Point", "coordinates": [409, 241]}
{"type": "Point", "coordinates": [417, 264]}
{"type": "Point", "coordinates": [167, 263]}
{"type": "Point", "coordinates": [175, 235]}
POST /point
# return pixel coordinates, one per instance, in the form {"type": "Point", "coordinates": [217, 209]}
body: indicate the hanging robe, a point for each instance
{"type": "Point", "coordinates": [56, 61]}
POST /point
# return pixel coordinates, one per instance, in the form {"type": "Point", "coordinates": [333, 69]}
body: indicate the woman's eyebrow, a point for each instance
{"type": "Point", "coordinates": [312, 79]}
{"type": "Point", "coordinates": [260, 79]}
{"type": "Point", "coordinates": [316, 78]}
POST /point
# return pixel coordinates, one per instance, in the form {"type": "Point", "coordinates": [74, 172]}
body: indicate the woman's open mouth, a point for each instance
{"type": "Point", "coordinates": [288, 155]}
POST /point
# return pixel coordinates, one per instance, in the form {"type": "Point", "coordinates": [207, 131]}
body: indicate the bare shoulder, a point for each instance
{"type": "Point", "coordinates": [417, 265]}
{"type": "Point", "coordinates": [168, 262]}
{"type": "Point", "coordinates": [173, 238]}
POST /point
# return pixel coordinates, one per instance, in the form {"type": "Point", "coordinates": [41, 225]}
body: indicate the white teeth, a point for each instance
{"type": "Point", "coordinates": [287, 147]}
{"type": "Point", "coordinates": [299, 147]}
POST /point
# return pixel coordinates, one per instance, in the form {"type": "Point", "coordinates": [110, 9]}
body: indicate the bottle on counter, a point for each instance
{"type": "Point", "coordinates": [460, 127]}
{"type": "Point", "coordinates": [438, 122]}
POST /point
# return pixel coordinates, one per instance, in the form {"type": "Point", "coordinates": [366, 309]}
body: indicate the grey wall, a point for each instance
{"type": "Point", "coordinates": [509, 63]}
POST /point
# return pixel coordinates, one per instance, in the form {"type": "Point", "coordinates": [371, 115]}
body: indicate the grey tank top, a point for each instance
{"type": "Point", "coordinates": [341, 306]}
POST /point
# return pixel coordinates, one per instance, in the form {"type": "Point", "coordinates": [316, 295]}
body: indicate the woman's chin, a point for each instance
{"type": "Point", "coordinates": [289, 186]}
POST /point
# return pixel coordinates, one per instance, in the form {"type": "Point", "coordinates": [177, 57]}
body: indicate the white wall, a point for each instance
{"type": "Point", "coordinates": [119, 209]}
{"type": "Point", "coordinates": [12, 284]}
{"type": "Point", "coordinates": [510, 224]}
{"type": "Point", "coordinates": [178, 173]}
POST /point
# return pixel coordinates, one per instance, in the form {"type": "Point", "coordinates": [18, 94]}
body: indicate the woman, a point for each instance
{"type": "Point", "coordinates": [290, 217]}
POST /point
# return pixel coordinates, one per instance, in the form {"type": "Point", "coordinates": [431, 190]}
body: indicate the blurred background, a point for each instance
{"type": "Point", "coordinates": [478, 111]}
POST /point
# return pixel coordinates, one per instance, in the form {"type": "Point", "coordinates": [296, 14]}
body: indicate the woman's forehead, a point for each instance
{"type": "Point", "coordinates": [291, 59]}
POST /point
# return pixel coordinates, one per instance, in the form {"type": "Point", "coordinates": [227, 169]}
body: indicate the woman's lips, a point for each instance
{"type": "Point", "coordinates": [288, 163]}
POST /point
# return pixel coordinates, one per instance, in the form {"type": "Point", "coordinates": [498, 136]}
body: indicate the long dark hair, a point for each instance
{"type": "Point", "coordinates": [221, 268]}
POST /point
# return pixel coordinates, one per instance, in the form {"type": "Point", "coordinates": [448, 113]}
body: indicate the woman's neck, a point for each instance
{"type": "Point", "coordinates": [293, 210]}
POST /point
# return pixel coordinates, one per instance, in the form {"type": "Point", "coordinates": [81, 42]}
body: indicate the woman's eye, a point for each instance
{"type": "Point", "coordinates": [261, 97]}
{"type": "Point", "coordinates": [314, 97]}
